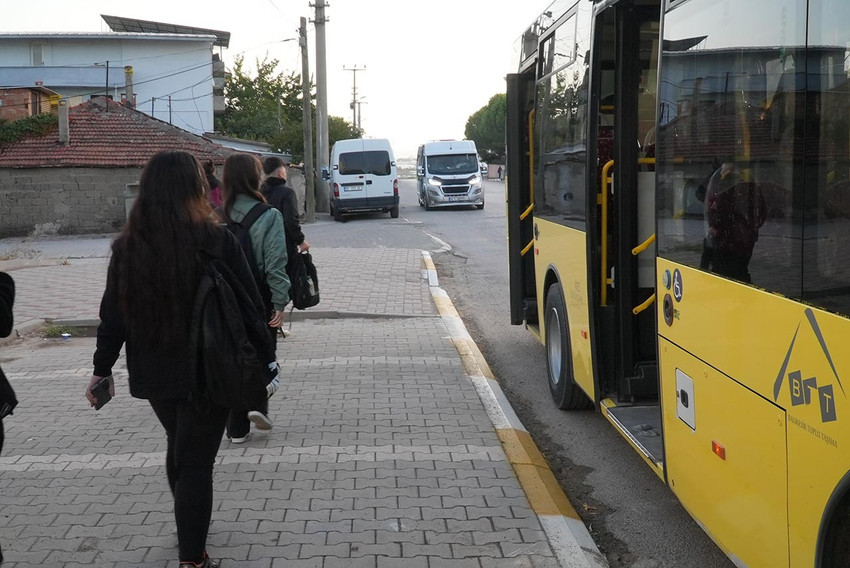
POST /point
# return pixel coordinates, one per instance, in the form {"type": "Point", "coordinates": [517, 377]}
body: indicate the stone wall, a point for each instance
{"type": "Point", "coordinates": [64, 200]}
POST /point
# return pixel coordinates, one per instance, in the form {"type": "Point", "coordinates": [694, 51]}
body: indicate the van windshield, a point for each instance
{"type": "Point", "coordinates": [375, 162]}
{"type": "Point", "coordinates": [453, 164]}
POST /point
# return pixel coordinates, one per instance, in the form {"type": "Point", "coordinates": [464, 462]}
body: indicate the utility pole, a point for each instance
{"type": "Point", "coordinates": [354, 107]}
{"type": "Point", "coordinates": [307, 125]}
{"type": "Point", "coordinates": [322, 142]}
{"type": "Point", "coordinates": [360, 116]}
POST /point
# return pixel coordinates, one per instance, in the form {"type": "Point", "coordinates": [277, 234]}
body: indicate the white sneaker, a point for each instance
{"type": "Point", "coordinates": [260, 420]}
{"type": "Point", "coordinates": [240, 440]}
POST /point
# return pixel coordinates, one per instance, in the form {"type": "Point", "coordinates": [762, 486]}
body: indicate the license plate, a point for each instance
{"type": "Point", "coordinates": [352, 188]}
{"type": "Point", "coordinates": [455, 199]}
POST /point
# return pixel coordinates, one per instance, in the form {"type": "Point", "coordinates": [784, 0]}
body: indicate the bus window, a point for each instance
{"type": "Point", "coordinates": [561, 125]}
{"type": "Point", "coordinates": [730, 140]}
{"type": "Point", "coordinates": [826, 218]}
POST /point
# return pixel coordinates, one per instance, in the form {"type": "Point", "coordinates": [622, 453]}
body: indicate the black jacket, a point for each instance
{"type": "Point", "coordinates": [156, 371]}
{"type": "Point", "coordinates": [283, 198]}
{"type": "Point", "coordinates": [7, 299]}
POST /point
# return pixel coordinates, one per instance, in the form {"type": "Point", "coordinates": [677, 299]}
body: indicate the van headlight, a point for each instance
{"type": "Point", "coordinates": [435, 182]}
{"type": "Point", "coordinates": [475, 180]}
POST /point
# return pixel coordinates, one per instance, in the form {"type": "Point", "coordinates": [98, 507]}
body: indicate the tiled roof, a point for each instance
{"type": "Point", "coordinates": [118, 138]}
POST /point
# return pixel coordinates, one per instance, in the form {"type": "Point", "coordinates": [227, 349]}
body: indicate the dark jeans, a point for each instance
{"type": "Point", "coordinates": [238, 424]}
{"type": "Point", "coordinates": [194, 435]}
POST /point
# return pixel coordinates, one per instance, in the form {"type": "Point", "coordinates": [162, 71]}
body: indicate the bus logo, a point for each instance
{"type": "Point", "coordinates": [807, 390]}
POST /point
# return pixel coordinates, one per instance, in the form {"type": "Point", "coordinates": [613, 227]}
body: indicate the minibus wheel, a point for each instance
{"type": "Point", "coordinates": [394, 213]}
{"type": "Point", "coordinates": [565, 392]}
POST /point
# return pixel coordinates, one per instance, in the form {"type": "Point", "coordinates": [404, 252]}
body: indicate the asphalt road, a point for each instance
{"type": "Point", "coordinates": [635, 519]}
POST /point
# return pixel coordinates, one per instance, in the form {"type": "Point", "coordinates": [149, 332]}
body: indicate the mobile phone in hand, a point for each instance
{"type": "Point", "coordinates": [100, 390]}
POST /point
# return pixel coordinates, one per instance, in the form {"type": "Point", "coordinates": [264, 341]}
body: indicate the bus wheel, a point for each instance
{"type": "Point", "coordinates": [836, 544]}
{"type": "Point", "coordinates": [565, 392]}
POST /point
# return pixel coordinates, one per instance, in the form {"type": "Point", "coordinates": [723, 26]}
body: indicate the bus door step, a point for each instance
{"type": "Point", "coordinates": [641, 425]}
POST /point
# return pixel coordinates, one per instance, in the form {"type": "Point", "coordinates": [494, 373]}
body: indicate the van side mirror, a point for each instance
{"type": "Point", "coordinates": [420, 171]}
{"type": "Point", "coordinates": [325, 174]}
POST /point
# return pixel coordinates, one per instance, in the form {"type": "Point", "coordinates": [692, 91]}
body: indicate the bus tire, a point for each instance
{"type": "Point", "coordinates": [559, 368]}
{"type": "Point", "coordinates": [835, 550]}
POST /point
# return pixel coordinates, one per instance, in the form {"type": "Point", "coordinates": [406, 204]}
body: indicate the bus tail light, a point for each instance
{"type": "Point", "coordinates": [718, 449]}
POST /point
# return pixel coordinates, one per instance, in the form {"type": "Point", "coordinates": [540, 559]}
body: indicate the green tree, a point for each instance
{"type": "Point", "coordinates": [341, 129]}
{"type": "Point", "coordinates": [486, 127]}
{"type": "Point", "coordinates": [268, 108]}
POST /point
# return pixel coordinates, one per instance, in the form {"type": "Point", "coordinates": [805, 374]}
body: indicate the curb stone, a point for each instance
{"type": "Point", "coordinates": [567, 533]}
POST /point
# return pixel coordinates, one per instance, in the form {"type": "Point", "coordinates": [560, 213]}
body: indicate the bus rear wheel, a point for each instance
{"type": "Point", "coordinates": [565, 392]}
{"type": "Point", "coordinates": [835, 552]}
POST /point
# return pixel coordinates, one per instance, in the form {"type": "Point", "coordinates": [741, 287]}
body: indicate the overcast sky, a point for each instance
{"type": "Point", "coordinates": [428, 65]}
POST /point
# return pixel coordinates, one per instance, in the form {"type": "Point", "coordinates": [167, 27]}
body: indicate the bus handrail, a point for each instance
{"type": "Point", "coordinates": [644, 245]}
{"type": "Point", "coordinates": [527, 212]}
{"type": "Point", "coordinates": [527, 248]}
{"type": "Point", "coordinates": [649, 301]}
{"type": "Point", "coordinates": [603, 223]}
{"type": "Point", "coordinates": [531, 115]}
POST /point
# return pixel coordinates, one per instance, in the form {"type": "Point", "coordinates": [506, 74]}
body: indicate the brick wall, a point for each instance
{"type": "Point", "coordinates": [64, 200]}
{"type": "Point", "coordinates": [15, 104]}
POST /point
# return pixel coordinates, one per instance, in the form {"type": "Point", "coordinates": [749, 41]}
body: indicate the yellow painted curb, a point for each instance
{"type": "Point", "coordinates": [520, 448]}
{"type": "Point", "coordinates": [543, 491]}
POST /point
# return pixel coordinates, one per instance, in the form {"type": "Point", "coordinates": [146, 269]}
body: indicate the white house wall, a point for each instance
{"type": "Point", "coordinates": [176, 66]}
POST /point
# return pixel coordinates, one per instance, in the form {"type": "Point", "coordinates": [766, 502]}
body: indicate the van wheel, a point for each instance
{"type": "Point", "coordinates": [565, 392]}
{"type": "Point", "coordinates": [428, 203]}
{"type": "Point", "coordinates": [394, 213]}
{"type": "Point", "coordinates": [480, 206]}
{"type": "Point", "coordinates": [337, 215]}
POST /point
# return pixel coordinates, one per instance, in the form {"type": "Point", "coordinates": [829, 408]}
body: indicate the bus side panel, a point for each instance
{"type": "Point", "coordinates": [790, 354]}
{"type": "Point", "coordinates": [739, 497]}
{"type": "Point", "coordinates": [564, 248]}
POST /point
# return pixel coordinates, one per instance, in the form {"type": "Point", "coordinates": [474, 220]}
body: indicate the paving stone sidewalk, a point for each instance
{"type": "Point", "coordinates": [382, 453]}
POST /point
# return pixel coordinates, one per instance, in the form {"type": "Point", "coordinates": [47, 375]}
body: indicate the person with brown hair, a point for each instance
{"type": "Point", "coordinates": [213, 183]}
{"type": "Point", "coordinates": [241, 192]}
{"type": "Point", "coordinates": [153, 276]}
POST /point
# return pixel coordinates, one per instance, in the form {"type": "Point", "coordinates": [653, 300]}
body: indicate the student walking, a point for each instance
{"type": "Point", "coordinates": [241, 193]}
{"type": "Point", "coordinates": [283, 198]}
{"type": "Point", "coordinates": [213, 183]}
{"type": "Point", "coordinates": [153, 275]}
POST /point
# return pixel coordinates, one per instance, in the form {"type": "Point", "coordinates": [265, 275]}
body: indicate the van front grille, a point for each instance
{"type": "Point", "coordinates": [455, 189]}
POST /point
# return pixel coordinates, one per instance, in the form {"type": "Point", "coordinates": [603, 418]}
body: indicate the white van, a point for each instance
{"type": "Point", "coordinates": [363, 177]}
{"type": "Point", "coordinates": [448, 173]}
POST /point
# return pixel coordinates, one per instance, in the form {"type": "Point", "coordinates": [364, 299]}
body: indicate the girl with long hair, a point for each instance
{"type": "Point", "coordinates": [240, 185]}
{"type": "Point", "coordinates": [153, 275]}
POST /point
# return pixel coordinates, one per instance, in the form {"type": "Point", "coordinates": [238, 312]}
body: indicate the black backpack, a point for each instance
{"type": "Point", "coordinates": [303, 280]}
{"type": "Point", "coordinates": [230, 340]}
{"type": "Point", "coordinates": [241, 230]}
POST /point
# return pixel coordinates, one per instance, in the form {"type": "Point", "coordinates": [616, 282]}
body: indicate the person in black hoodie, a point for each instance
{"type": "Point", "coordinates": [153, 275]}
{"type": "Point", "coordinates": [283, 198]}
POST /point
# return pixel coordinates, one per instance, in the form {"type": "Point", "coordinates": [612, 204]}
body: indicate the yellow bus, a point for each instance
{"type": "Point", "coordinates": [678, 221]}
